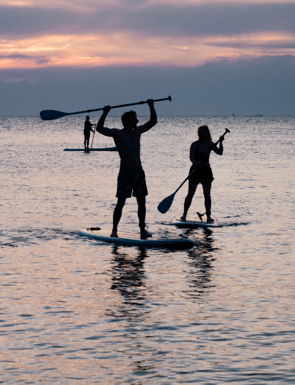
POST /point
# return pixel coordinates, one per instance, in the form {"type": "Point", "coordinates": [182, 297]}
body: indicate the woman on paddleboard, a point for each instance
{"type": "Point", "coordinates": [200, 171]}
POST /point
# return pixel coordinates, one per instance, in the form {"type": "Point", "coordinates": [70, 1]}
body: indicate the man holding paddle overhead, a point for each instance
{"type": "Point", "coordinates": [131, 178]}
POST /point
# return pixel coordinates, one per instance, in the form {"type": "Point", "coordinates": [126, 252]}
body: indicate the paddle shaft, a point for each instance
{"type": "Point", "coordinates": [93, 137]}
{"type": "Point", "coordinates": [53, 114]}
{"type": "Point", "coordinates": [132, 104]}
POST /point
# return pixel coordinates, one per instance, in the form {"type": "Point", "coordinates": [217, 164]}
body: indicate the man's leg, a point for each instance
{"type": "Point", "coordinates": [188, 200]}
{"type": "Point", "coordinates": [141, 211]}
{"type": "Point", "coordinates": [117, 215]}
{"type": "Point", "coordinates": [141, 216]}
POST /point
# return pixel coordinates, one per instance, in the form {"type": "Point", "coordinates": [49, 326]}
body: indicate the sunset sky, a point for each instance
{"type": "Point", "coordinates": [213, 57]}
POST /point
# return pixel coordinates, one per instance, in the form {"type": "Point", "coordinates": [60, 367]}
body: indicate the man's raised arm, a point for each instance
{"type": "Point", "coordinates": [153, 117]}
{"type": "Point", "coordinates": [100, 124]}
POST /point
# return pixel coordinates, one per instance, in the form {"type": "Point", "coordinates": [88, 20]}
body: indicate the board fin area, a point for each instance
{"type": "Point", "coordinates": [193, 223]}
{"type": "Point", "coordinates": [129, 239]}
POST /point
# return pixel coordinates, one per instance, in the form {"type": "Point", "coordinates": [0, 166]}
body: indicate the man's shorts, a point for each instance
{"type": "Point", "coordinates": [131, 181]}
{"type": "Point", "coordinates": [201, 175]}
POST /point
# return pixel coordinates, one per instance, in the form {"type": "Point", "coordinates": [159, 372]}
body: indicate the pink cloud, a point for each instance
{"type": "Point", "coordinates": [12, 80]}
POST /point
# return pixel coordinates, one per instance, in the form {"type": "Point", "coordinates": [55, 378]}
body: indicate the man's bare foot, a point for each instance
{"type": "Point", "coordinates": [144, 234]}
{"type": "Point", "coordinates": [183, 218]}
{"type": "Point", "coordinates": [209, 219]}
{"type": "Point", "coordinates": [114, 234]}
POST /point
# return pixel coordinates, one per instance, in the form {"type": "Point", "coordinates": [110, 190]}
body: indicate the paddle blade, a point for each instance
{"type": "Point", "coordinates": [166, 203]}
{"type": "Point", "coordinates": [52, 114]}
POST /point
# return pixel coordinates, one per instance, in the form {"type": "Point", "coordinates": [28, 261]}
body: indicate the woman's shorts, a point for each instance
{"type": "Point", "coordinates": [201, 175]}
{"type": "Point", "coordinates": [131, 181]}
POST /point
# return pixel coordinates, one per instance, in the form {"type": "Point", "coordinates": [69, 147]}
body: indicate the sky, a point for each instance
{"type": "Point", "coordinates": [213, 57]}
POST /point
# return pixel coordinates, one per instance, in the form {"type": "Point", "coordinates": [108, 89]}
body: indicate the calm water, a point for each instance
{"type": "Point", "coordinates": [76, 311]}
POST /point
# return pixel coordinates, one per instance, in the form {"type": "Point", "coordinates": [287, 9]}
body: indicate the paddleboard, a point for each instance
{"type": "Point", "coordinates": [134, 239]}
{"type": "Point", "coordinates": [92, 149]}
{"type": "Point", "coordinates": [193, 223]}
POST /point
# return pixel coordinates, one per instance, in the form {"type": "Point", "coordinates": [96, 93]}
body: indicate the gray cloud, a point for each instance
{"type": "Point", "coordinates": [19, 21]}
{"type": "Point", "coordinates": [155, 20]}
{"type": "Point", "coordinates": [248, 87]}
{"type": "Point", "coordinates": [262, 46]}
{"type": "Point", "coordinates": [16, 56]}
{"type": "Point", "coordinates": [38, 59]}
{"type": "Point", "coordinates": [213, 19]}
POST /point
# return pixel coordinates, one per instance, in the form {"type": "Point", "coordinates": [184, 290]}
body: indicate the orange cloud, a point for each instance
{"type": "Point", "coordinates": [70, 4]}
{"type": "Point", "coordinates": [198, 2]}
{"type": "Point", "coordinates": [62, 4]}
{"type": "Point", "coordinates": [126, 49]}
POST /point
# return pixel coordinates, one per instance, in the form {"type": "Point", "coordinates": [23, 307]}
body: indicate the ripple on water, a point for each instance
{"type": "Point", "coordinates": [77, 311]}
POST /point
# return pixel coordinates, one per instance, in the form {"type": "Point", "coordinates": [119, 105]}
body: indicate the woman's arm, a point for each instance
{"type": "Point", "coordinates": [218, 150]}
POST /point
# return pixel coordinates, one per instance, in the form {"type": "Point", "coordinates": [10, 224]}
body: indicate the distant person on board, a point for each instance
{"type": "Point", "coordinates": [200, 171]}
{"type": "Point", "coordinates": [131, 178]}
{"type": "Point", "coordinates": [87, 130]}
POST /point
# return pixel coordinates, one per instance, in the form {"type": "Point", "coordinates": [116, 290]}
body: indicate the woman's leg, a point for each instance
{"type": "Point", "coordinates": [207, 196]}
{"type": "Point", "coordinates": [188, 200]}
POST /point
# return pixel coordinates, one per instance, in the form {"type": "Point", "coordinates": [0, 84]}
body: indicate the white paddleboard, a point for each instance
{"type": "Point", "coordinates": [92, 149]}
{"type": "Point", "coordinates": [193, 223]}
{"type": "Point", "coordinates": [134, 239]}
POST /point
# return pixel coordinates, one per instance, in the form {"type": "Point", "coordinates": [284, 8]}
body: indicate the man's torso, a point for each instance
{"type": "Point", "coordinates": [128, 145]}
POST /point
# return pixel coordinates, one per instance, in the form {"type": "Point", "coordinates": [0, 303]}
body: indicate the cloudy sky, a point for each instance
{"type": "Point", "coordinates": [213, 57]}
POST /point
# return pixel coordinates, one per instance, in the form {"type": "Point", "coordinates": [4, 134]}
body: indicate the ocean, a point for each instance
{"type": "Point", "coordinates": [77, 311]}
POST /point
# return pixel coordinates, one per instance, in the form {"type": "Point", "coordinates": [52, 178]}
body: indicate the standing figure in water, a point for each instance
{"type": "Point", "coordinates": [200, 171]}
{"type": "Point", "coordinates": [131, 178]}
{"type": "Point", "coordinates": [87, 130]}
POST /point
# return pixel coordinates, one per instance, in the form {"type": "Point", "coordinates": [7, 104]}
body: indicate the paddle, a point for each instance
{"type": "Point", "coordinates": [53, 114]}
{"type": "Point", "coordinates": [93, 135]}
{"type": "Point", "coordinates": [166, 203]}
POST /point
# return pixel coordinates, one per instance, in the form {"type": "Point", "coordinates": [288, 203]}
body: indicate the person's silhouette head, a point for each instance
{"type": "Point", "coordinates": [204, 133]}
{"type": "Point", "coordinates": [129, 119]}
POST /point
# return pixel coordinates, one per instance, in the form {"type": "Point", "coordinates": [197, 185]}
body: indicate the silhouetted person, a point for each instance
{"type": "Point", "coordinates": [131, 178]}
{"type": "Point", "coordinates": [87, 130]}
{"type": "Point", "coordinates": [199, 156]}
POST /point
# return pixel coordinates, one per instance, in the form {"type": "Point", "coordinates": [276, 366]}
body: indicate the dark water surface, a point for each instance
{"type": "Point", "coordinates": [76, 311]}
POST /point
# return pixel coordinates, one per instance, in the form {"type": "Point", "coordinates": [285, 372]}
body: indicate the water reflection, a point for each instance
{"type": "Point", "coordinates": [200, 262]}
{"type": "Point", "coordinates": [128, 275]}
{"type": "Point", "coordinates": [128, 278]}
